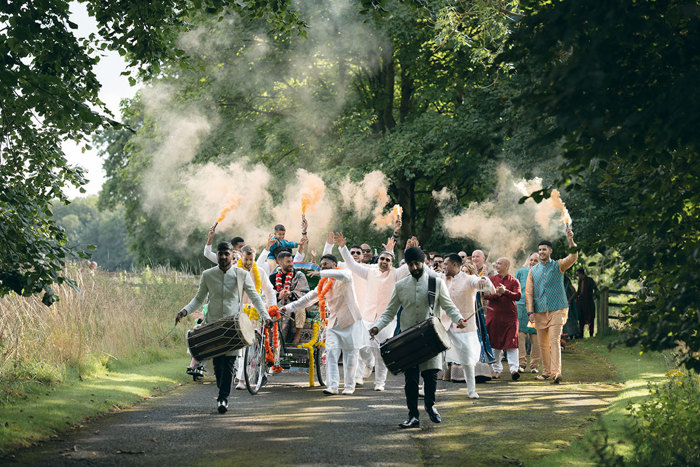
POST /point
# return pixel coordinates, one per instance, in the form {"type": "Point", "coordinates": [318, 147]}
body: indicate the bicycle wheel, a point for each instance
{"type": "Point", "coordinates": [254, 364]}
{"type": "Point", "coordinates": [320, 358]}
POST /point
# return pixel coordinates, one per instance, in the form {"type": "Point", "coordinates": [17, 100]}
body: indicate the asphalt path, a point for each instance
{"type": "Point", "coordinates": [288, 423]}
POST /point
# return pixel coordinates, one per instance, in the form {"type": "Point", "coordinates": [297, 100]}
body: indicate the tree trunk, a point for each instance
{"type": "Point", "coordinates": [407, 89]}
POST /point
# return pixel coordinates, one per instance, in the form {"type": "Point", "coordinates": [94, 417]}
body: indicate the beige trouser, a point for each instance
{"type": "Point", "coordinates": [535, 354]}
{"type": "Point", "coordinates": [549, 325]}
{"type": "Point", "coordinates": [299, 318]}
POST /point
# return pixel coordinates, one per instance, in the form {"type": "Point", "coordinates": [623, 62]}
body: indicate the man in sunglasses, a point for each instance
{"type": "Point", "coordinates": [379, 280]}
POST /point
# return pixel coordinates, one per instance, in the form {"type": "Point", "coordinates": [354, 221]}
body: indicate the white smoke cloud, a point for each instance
{"type": "Point", "coordinates": [503, 226]}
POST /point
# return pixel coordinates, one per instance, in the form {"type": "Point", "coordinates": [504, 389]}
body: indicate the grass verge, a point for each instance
{"type": "Point", "coordinates": [25, 422]}
{"type": "Point", "coordinates": [632, 370]}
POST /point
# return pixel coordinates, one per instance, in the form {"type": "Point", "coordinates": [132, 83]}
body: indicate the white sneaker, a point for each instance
{"type": "Point", "coordinates": [349, 390]}
{"type": "Point", "coordinates": [330, 391]}
{"type": "Point", "coordinates": [367, 371]}
{"type": "Point", "coordinates": [473, 395]}
{"type": "Point", "coordinates": [222, 406]}
{"type": "Point", "coordinates": [359, 381]}
{"type": "Point", "coordinates": [379, 387]}
{"type": "Point", "coordinates": [241, 385]}
{"type": "Point", "coordinates": [421, 392]}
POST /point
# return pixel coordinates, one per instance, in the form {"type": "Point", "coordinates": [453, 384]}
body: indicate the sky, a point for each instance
{"type": "Point", "coordinates": [115, 87]}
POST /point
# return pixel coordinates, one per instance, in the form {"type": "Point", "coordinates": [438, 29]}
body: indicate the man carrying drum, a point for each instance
{"type": "Point", "coordinates": [411, 293]}
{"type": "Point", "coordinates": [225, 286]}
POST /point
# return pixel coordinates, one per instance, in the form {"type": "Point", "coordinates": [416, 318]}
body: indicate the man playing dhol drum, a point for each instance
{"type": "Point", "coordinates": [225, 286]}
{"type": "Point", "coordinates": [411, 293]}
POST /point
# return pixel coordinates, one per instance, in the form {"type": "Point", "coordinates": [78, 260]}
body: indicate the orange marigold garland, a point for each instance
{"type": "Point", "coordinates": [324, 285]}
{"type": "Point", "coordinates": [274, 312]}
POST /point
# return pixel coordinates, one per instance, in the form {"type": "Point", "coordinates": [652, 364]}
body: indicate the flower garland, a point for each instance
{"type": "Point", "coordinates": [310, 347]}
{"type": "Point", "coordinates": [287, 281]}
{"type": "Point", "coordinates": [324, 285]}
{"type": "Point", "coordinates": [274, 312]}
{"type": "Point", "coordinates": [249, 309]}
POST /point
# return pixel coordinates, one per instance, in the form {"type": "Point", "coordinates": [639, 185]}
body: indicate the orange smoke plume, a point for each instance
{"type": "Point", "coordinates": [310, 196]}
{"type": "Point", "coordinates": [389, 218]}
{"type": "Point", "coordinates": [559, 205]}
{"type": "Point", "coordinates": [231, 205]}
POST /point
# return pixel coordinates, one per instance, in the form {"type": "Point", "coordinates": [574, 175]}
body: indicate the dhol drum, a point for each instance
{"type": "Point", "coordinates": [415, 345]}
{"type": "Point", "coordinates": [221, 337]}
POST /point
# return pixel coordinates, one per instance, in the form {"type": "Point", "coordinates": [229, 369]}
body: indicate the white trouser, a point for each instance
{"type": "Point", "coordinates": [366, 358]}
{"type": "Point", "coordinates": [511, 355]}
{"type": "Point", "coordinates": [350, 358]}
{"type": "Point", "coordinates": [380, 369]}
{"type": "Point", "coordinates": [466, 347]}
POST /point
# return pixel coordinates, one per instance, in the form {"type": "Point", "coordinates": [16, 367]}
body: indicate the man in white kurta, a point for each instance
{"type": "Point", "coordinates": [345, 331]}
{"type": "Point", "coordinates": [379, 282]}
{"type": "Point", "coordinates": [225, 286]}
{"type": "Point", "coordinates": [465, 343]}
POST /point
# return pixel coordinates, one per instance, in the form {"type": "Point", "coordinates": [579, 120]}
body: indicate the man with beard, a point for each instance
{"type": "Point", "coordinates": [547, 305]}
{"type": "Point", "coordinates": [225, 286]}
{"type": "Point", "coordinates": [411, 294]}
{"type": "Point", "coordinates": [465, 343]}
{"type": "Point", "coordinates": [379, 280]}
{"type": "Point", "coordinates": [290, 285]}
{"type": "Point", "coordinates": [344, 331]}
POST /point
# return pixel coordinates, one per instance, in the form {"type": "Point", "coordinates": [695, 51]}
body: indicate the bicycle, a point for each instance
{"type": "Point", "coordinates": [257, 358]}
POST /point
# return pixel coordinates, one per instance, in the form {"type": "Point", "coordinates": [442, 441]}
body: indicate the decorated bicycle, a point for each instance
{"type": "Point", "coordinates": [279, 346]}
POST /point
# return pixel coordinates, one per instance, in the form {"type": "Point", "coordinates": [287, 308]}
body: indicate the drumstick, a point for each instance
{"type": "Point", "coordinates": [169, 332]}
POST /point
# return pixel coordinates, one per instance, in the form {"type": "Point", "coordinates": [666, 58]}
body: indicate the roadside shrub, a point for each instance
{"type": "Point", "coordinates": [666, 428]}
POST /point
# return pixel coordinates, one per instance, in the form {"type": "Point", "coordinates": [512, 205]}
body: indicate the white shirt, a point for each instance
{"type": "Point", "coordinates": [379, 285]}
{"type": "Point", "coordinates": [463, 288]}
{"type": "Point", "coordinates": [341, 304]}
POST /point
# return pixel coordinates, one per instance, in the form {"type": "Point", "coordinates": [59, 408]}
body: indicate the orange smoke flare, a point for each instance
{"type": "Point", "coordinates": [231, 205]}
{"type": "Point", "coordinates": [561, 207]}
{"type": "Point", "coordinates": [311, 197]}
{"type": "Point", "coordinates": [389, 218]}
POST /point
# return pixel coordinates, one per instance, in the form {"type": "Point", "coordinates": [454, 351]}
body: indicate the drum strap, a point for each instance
{"type": "Point", "coordinates": [432, 285]}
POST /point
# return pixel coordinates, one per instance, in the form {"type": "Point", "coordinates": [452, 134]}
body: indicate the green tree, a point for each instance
{"type": "Point", "coordinates": [614, 85]}
{"type": "Point", "coordinates": [49, 94]}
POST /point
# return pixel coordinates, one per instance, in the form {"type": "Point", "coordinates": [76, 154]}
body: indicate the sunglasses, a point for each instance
{"type": "Point", "coordinates": [366, 250]}
{"type": "Point", "coordinates": [355, 252]}
{"type": "Point", "coordinates": [384, 259]}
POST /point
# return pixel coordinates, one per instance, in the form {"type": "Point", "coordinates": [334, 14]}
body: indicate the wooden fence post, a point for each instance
{"type": "Point", "coordinates": [603, 324]}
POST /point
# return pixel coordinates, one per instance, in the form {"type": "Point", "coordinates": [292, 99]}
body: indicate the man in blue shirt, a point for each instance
{"type": "Point", "coordinates": [547, 305]}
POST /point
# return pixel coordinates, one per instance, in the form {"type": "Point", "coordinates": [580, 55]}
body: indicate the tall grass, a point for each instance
{"type": "Point", "coordinates": [115, 319]}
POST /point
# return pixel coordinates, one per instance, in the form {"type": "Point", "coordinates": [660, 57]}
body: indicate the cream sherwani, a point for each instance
{"type": "Point", "coordinates": [465, 343]}
{"type": "Point", "coordinates": [226, 292]}
{"type": "Point", "coordinates": [412, 295]}
{"type": "Point", "coordinates": [345, 331]}
{"type": "Point", "coordinates": [377, 293]}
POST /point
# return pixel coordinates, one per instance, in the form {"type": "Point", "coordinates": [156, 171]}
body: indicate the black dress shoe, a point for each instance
{"type": "Point", "coordinates": [412, 422]}
{"type": "Point", "coordinates": [434, 415]}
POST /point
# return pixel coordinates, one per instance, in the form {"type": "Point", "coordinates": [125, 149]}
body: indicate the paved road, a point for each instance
{"type": "Point", "coordinates": [288, 423]}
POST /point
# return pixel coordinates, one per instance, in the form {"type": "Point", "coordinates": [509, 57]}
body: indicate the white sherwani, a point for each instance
{"type": "Point", "coordinates": [465, 347]}
{"type": "Point", "coordinates": [378, 289]}
{"type": "Point", "coordinates": [345, 331]}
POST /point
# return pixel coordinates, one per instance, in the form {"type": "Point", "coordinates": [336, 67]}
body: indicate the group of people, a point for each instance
{"type": "Point", "coordinates": [369, 298]}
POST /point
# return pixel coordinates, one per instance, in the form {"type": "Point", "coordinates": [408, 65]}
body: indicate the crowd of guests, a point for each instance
{"type": "Point", "coordinates": [490, 312]}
